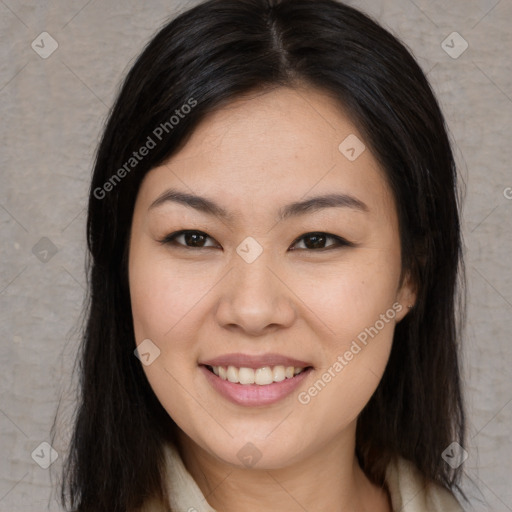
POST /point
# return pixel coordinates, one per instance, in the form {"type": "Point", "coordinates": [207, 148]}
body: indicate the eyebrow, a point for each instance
{"type": "Point", "coordinates": [208, 206]}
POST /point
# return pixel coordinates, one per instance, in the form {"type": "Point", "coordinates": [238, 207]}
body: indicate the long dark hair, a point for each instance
{"type": "Point", "coordinates": [197, 63]}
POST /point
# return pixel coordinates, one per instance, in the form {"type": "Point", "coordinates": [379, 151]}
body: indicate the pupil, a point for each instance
{"type": "Point", "coordinates": [189, 237]}
{"type": "Point", "coordinates": [320, 239]}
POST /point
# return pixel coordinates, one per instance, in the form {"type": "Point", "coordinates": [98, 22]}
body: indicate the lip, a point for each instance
{"type": "Point", "coordinates": [258, 361]}
{"type": "Point", "coordinates": [252, 395]}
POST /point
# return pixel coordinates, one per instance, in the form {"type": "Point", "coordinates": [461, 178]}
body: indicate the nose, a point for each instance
{"type": "Point", "coordinates": [255, 298]}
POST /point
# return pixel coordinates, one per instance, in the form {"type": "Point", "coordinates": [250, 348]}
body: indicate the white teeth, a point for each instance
{"type": "Point", "coordinates": [246, 376]}
{"type": "Point", "coordinates": [279, 373]}
{"type": "Point", "coordinates": [232, 374]}
{"type": "Point", "coordinates": [261, 376]}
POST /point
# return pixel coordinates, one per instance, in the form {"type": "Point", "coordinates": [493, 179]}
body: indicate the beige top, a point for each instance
{"type": "Point", "coordinates": [407, 488]}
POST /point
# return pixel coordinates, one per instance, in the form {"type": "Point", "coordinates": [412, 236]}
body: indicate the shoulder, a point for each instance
{"type": "Point", "coordinates": [410, 491]}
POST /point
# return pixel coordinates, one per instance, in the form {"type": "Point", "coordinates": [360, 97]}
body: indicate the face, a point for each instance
{"type": "Point", "coordinates": [261, 283]}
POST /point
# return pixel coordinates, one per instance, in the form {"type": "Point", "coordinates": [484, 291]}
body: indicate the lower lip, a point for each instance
{"type": "Point", "coordinates": [254, 394]}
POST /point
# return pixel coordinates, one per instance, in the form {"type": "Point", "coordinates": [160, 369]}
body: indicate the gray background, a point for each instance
{"type": "Point", "coordinates": [52, 112]}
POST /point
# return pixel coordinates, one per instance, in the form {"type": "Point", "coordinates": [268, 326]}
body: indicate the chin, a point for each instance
{"type": "Point", "coordinates": [255, 452]}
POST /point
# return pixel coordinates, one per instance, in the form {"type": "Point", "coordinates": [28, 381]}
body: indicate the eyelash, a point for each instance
{"type": "Point", "coordinates": [171, 240]}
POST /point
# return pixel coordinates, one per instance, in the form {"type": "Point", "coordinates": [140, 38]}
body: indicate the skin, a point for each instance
{"type": "Point", "coordinates": [252, 157]}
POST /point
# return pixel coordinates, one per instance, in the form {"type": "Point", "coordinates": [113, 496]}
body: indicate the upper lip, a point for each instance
{"type": "Point", "coordinates": [258, 361]}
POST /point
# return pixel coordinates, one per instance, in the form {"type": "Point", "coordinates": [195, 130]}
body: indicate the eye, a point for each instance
{"type": "Point", "coordinates": [317, 240]}
{"type": "Point", "coordinates": [196, 239]}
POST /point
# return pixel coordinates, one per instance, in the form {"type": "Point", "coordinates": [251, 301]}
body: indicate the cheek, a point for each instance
{"type": "Point", "coordinates": [164, 301]}
{"type": "Point", "coordinates": [358, 304]}
{"type": "Point", "coordinates": [162, 294]}
{"type": "Point", "coordinates": [352, 296]}
{"type": "Point", "coordinates": [361, 316]}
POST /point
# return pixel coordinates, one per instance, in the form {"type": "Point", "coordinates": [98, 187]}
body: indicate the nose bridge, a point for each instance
{"type": "Point", "coordinates": [252, 279]}
{"type": "Point", "coordinates": [253, 297]}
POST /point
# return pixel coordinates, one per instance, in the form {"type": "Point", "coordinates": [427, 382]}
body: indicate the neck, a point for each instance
{"type": "Point", "coordinates": [330, 479]}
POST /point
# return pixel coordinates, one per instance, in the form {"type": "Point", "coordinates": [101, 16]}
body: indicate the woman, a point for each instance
{"type": "Point", "coordinates": [275, 242]}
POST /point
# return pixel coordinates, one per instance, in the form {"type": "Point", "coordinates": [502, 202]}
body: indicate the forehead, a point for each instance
{"type": "Point", "coordinates": [268, 148]}
{"type": "Point", "coordinates": [283, 125]}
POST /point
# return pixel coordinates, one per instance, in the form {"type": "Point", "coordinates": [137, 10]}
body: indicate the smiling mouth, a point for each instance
{"type": "Point", "coordinates": [260, 376]}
